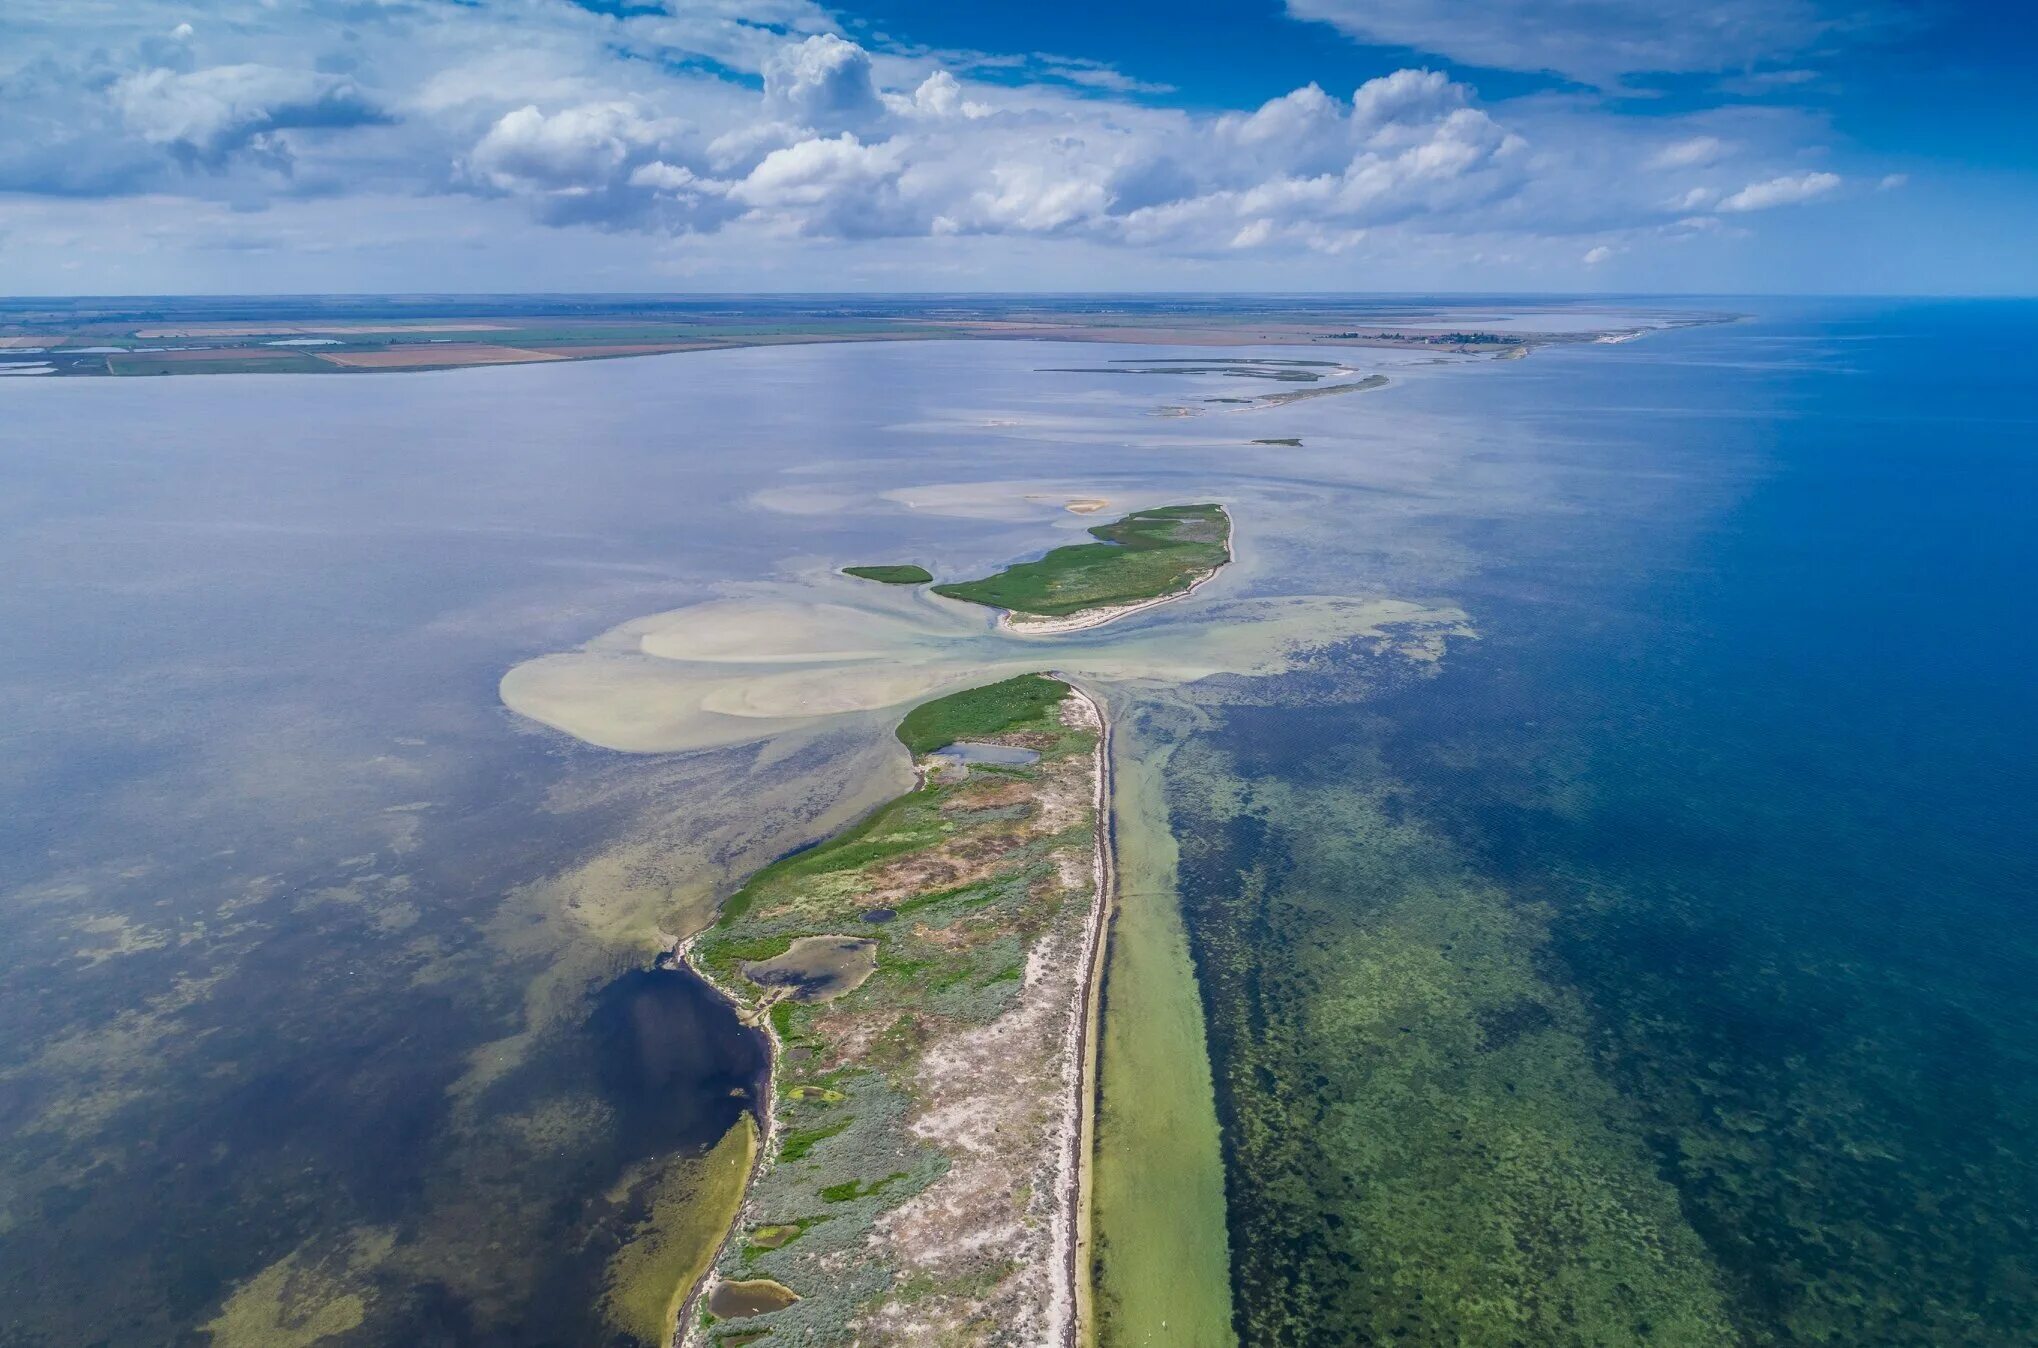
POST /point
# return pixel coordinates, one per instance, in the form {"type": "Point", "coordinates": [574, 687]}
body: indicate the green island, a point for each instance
{"type": "Point", "coordinates": [907, 574]}
{"type": "Point", "coordinates": [925, 977]}
{"type": "Point", "coordinates": [1146, 557]}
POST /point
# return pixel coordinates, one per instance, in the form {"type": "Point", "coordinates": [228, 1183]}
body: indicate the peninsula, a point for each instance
{"type": "Point", "coordinates": [1147, 558]}
{"type": "Point", "coordinates": [926, 980]}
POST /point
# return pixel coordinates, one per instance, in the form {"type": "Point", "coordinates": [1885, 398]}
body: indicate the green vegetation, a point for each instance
{"type": "Point", "coordinates": [777, 1237]}
{"type": "Point", "coordinates": [850, 1190]}
{"type": "Point", "coordinates": [979, 713]}
{"type": "Point", "coordinates": [800, 1141]}
{"type": "Point", "coordinates": [974, 877]}
{"type": "Point", "coordinates": [1146, 555]}
{"type": "Point", "coordinates": [891, 575]}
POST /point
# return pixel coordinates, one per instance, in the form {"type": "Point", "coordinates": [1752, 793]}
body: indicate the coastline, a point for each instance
{"type": "Point", "coordinates": [1066, 1318]}
{"type": "Point", "coordinates": [1073, 1244]}
{"type": "Point", "coordinates": [681, 1329]}
{"type": "Point", "coordinates": [1083, 620]}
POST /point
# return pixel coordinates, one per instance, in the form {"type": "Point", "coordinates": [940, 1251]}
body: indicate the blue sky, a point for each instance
{"type": "Point", "coordinates": [1724, 146]}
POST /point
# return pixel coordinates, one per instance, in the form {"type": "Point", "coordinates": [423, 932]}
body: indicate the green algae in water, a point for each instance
{"type": "Point", "coordinates": [689, 1208]}
{"type": "Point", "coordinates": [1421, 1148]}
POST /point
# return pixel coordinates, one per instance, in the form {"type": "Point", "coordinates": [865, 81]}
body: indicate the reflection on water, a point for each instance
{"type": "Point", "coordinates": [327, 1012]}
{"type": "Point", "coordinates": [302, 1026]}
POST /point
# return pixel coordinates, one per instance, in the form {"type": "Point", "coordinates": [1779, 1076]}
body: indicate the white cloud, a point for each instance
{"type": "Point", "coordinates": [653, 124]}
{"type": "Point", "coordinates": [206, 115]}
{"type": "Point", "coordinates": [824, 83]}
{"type": "Point", "coordinates": [939, 95]}
{"type": "Point", "coordinates": [1789, 190]}
{"type": "Point", "coordinates": [1595, 41]}
{"type": "Point", "coordinates": [1597, 255]}
{"type": "Point", "coordinates": [1692, 152]}
{"type": "Point", "coordinates": [1892, 181]}
{"type": "Point", "coordinates": [572, 152]}
{"type": "Point", "coordinates": [831, 187]}
{"type": "Point", "coordinates": [1406, 96]}
{"type": "Point", "coordinates": [671, 179]}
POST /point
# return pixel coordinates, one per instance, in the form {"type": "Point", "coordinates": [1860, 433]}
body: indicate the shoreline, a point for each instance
{"type": "Point", "coordinates": [1068, 1309]}
{"type": "Point", "coordinates": [1072, 1238]}
{"type": "Point", "coordinates": [1083, 620]}
{"type": "Point", "coordinates": [681, 954]}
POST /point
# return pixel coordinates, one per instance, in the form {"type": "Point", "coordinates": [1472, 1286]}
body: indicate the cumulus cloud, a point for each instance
{"type": "Point", "coordinates": [671, 179]}
{"type": "Point", "coordinates": [1789, 190]}
{"type": "Point", "coordinates": [754, 117]}
{"type": "Point", "coordinates": [572, 152]}
{"type": "Point", "coordinates": [825, 83]}
{"type": "Point", "coordinates": [836, 186]}
{"type": "Point", "coordinates": [1597, 255]}
{"type": "Point", "coordinates": [205, 116]}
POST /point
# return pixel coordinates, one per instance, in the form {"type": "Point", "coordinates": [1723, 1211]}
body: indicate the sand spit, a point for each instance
{"type": "Point", "coordinates": [1071, 1225]}
{"type": "Point", "coordinates": [982, 1124]}
{"type": "Point", "coordinates": [735, 671]}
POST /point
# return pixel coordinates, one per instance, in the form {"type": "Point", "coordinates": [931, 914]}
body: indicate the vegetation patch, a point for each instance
{"type": "Point", "coordinates": [891, 575]}
{"type": "Point", "coordinates": [982, 713]}
{"type": "Point", "coordinates": [977, 870]}
{"type": "Point", "coordinates": [1149, 554]}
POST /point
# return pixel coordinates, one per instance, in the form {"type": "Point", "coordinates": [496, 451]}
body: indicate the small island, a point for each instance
{"type": "Point", "coordinates": [1144, 559]}
{"type": "Point", "coordinates": [927, 979]}
{"type": "Point", "coordinates": [907, 574]}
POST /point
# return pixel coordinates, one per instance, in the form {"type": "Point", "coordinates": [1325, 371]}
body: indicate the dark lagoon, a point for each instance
{"type": "Point", "coordinates": [1657, 965]}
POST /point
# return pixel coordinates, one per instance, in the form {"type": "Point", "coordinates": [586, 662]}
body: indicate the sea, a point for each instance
{"type": "Point", "coordinates": [1649, 957]}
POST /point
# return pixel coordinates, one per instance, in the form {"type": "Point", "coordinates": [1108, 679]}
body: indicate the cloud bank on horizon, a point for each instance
{"type": "Point", "coordinates": [731, 144]}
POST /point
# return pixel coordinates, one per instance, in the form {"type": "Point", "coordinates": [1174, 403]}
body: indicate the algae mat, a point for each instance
{"type": "Point", "coordinates": [1421, 1147]}
{"type": "Point", "coordinates": [1160, 1271]}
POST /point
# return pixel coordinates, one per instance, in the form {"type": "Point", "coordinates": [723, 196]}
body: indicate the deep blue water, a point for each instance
{"type": "Point", "coordinates": [1756, 726]}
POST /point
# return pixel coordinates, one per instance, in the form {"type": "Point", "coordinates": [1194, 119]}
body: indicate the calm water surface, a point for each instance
{"type": "Point", "coordinates": [1660, 967]}
{"type": "Point", "coordinates": [1691, 908]}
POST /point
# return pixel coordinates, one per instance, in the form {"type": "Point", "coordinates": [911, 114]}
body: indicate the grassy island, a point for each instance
{"type": "Point", "coordinates": [891, 575]}
{"type": "Point", "coordinates": [920, 974]}
{"type": "Point", "coordinates": [1148, 555]}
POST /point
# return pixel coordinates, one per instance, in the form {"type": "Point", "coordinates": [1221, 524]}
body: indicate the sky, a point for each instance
{"type": "Point", "coordinates": [1609, 146]}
